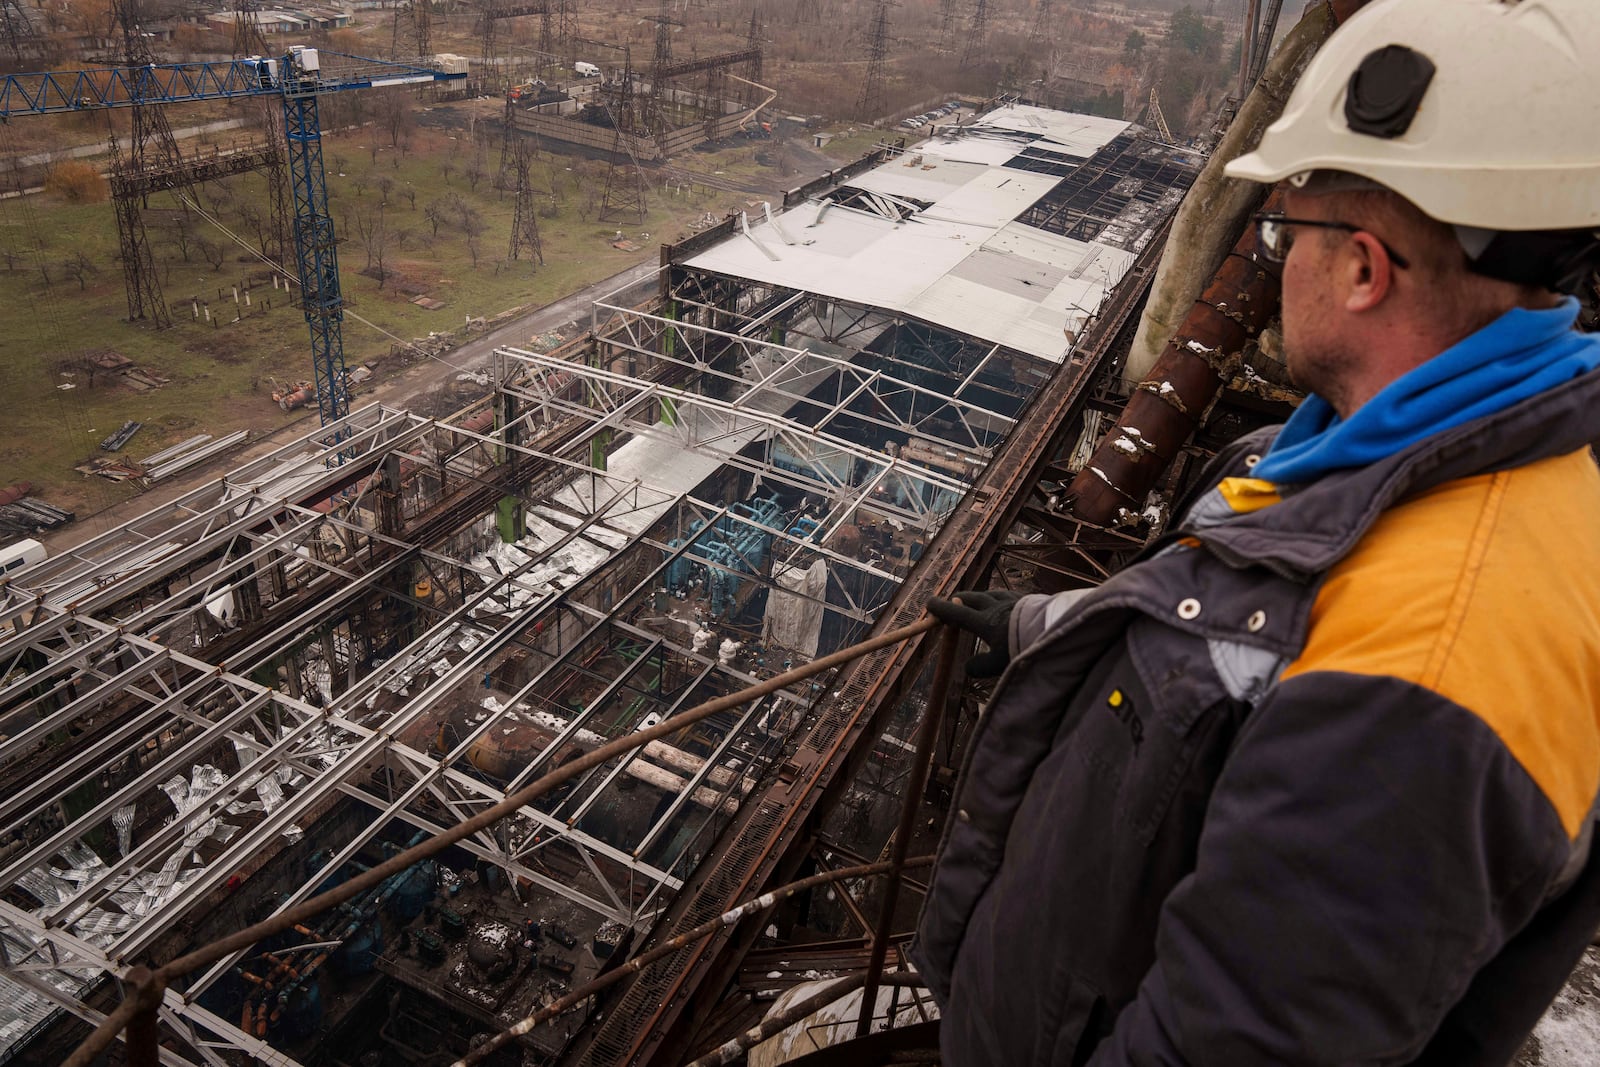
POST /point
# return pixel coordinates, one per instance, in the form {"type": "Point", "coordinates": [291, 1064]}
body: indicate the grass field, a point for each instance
{"type": "Point", "coordinates": [65, 299]}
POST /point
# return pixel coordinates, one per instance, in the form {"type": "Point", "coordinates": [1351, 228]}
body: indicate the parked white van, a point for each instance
{"type": "Point", "coordinates": [586, 70]}
{"type": "Point", "coordinates": [22, 554]}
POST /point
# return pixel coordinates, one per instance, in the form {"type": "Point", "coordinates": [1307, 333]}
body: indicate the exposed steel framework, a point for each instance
{"type": "Point", "coordinates": [765, 389]}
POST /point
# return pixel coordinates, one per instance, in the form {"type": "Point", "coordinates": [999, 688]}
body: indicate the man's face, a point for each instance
{"type": "Point", "coordinates": [1314, 350]}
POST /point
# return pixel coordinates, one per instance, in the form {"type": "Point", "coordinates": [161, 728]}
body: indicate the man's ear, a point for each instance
{"type": "Point", "coordinates": [1368, 272]}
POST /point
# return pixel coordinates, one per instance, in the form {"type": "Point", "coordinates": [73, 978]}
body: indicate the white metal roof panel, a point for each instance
{"type": "Point", "coordinates": [1041, 246]}
{"type": "Point", "coordinates": [1078, 135]}
{"type": "Point", "coordinates": [1016, 275]}
{"type": "Point", "coordinates": [931, 179]}
{"type": "Point", "coordinates": [964, 263]}
{"type": "Point", "coordinates": [978, 309]}
{"type": "Point", "coordinates": [992, 199]}
{"type": "Point", "coordinates": [988, 149]}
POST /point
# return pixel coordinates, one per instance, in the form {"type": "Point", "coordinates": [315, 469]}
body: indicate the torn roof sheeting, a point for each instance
{"type": "Point", "coordinates": [970, 261]}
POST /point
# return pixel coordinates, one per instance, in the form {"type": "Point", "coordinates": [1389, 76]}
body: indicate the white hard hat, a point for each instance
{"type": "Point", "coordinates": [1482, 113]}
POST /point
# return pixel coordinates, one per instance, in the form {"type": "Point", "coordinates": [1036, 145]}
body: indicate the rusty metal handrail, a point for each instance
{"type": "Point", "coordinates": [137, 1012]}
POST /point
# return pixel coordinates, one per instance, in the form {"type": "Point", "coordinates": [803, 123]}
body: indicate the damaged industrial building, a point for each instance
{"type": "Point", "coordinates": [335, 651]}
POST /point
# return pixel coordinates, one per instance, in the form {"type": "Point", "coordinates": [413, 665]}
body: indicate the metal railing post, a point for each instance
{"type": "Point", "coordinates": [918, 781]}
{"type": "Point", "coordinates": [144, 1047]}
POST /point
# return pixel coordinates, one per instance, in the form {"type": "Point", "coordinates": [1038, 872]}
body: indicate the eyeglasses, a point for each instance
{"type": "Point", "coordinates": [1276, 234]}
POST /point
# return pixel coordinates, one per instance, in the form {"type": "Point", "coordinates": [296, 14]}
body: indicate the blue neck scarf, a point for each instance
{"type": "Point", "coordinates": [1520, 354]}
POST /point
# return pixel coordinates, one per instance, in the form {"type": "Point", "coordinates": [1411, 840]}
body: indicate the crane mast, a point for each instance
{"type": "Point", "coordinates": [316, 254]}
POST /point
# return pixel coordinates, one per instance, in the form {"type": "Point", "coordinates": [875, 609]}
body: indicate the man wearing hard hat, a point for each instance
{"type": "Point", "coordinates": [1315, 780]}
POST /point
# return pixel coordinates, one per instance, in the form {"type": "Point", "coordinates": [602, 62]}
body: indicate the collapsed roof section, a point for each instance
{"type": "Point", "coordinates": [1010, 229]}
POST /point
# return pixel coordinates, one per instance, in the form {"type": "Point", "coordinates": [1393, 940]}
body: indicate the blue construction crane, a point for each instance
{"type": "Point", "coordinates": [299, 78]}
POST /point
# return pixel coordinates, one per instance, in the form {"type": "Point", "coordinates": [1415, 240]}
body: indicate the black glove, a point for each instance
{"type": "Point", "coordinates": [986, 613]}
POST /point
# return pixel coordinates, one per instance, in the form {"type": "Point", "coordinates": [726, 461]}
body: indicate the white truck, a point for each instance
{"type": "Point", "coordinates": [20, 554]}
{"type": "Point", "coordinates": [586, 70]}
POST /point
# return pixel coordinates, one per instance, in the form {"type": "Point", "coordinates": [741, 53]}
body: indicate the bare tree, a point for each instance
{"type": "Point", "coordinates": [213, 251]}
{"type": "Point", "coordinates": [219, 196]}
{"type": "Point", "coordinates": [472, 226]}
{"type": "Point", "coordinates": [78, 267]}
{"type": "Point", "coordinates": [589, 202]}
{"type": "Point", "coordinates": [181, 230]}
{"type": "Point", "coordinates": [374, 234]}
{"type": "Point", "coordinates": [395, 115]}
{"type": "Point", "coordinates": [252, 217]}
{"type": "Point", "coordinates": [385, 186]}
{"type": "Point", "coordinates": [444, 210]}
{"type": "Point", "coordinates": [476, 173]}
{"type": "Point", "coordinates": [447, 167]}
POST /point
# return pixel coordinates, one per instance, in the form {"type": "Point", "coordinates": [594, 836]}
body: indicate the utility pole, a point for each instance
{"type": "Point", "coordinates": [488, 53]}
{"type": "Point", "coordinates": [624, 193]}
{"type": "Point", "coordinates": [248, 40]}
{"type": "Point", "coordinates": [525, 216]}
{"type": "Point", "coordinates": [753, 37]}
{"type": "Point", "coordinates": [151, 147]}
{"type": "Point", "coordinates": [567, 29]}
{"type": "Point", "coordinates": [547, 40]}
{"type": "Point", "coordinates": [870, 106]}
{"type": "Point", "coordinates": [1043, 25]}
{"type": "Point", "coordinates": [421, 29]}
{"type": "Point", "coordinates": [974, 50]}
{"type": "Point", "coordinates": [414, 17]}
{"type": "Point", "coordinates": [506, 175]}
{"type": "Point", "coordinates": [654, 121]}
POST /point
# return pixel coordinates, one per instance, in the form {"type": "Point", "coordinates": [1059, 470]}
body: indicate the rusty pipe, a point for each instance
{"type": "Point", "coordinates": [144, 1037]}
{"type": "Point", "coordinates": [1167, 405]}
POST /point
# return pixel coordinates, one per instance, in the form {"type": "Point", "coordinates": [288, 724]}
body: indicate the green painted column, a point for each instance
{"type": "Point", "coordinates": [508, 519]}
{"type": "Point", "coordinates": [599, 445]}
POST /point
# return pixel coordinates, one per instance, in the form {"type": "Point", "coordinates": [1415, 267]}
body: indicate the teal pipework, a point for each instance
{"type": "Point", "coordinates": [738, 541]}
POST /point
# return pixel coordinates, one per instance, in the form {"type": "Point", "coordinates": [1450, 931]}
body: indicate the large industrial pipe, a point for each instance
{"type": "Point", "coordinates": [1166, 407]}
{"type": "Point", "coordinates": [1201, 354]}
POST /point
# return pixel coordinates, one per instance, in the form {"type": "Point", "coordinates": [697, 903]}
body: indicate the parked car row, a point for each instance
{"type": "Point", "coordinates": [919, 121]}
